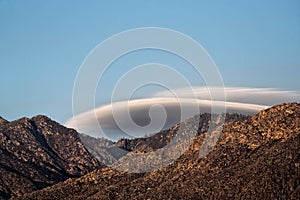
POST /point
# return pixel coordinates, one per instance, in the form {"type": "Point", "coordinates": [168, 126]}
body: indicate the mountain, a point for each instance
{"type": "Point", "coordinates": [161, 139]}
{"type": "Point", "coordinates": [109, 152]}
{"type": "Point", "coordinates": [257, 158]}
{"type": "Point", "coordinates": [38, 152]}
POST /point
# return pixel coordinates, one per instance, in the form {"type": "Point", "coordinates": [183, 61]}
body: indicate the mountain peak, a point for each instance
{"type": "Point", "coordinates": [285, 109]}
{"type": "Point", "coordinates": [37, 152]}
{"type": "Point", "coordinates": [271, 122]}
{"type": "Point", "coordinates": [3, 121]}
{"type": "Point", "coordinates": [41, 117]}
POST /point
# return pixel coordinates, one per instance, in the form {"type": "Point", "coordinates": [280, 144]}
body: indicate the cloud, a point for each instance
{"type": "Point", "coordinates": [162, 110]}
{"type": "Point", "coordinates": [261, 96]}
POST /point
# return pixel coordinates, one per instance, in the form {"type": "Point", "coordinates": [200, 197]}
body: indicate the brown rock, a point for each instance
{"type": "Point", "coordinates": [38, 152]}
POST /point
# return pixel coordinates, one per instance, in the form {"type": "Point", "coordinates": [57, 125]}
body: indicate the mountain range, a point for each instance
{"type": "Point", "coordinates": [255, 157]}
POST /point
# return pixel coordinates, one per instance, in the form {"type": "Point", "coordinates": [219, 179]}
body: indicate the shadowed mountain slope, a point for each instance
{"type": "Point", "coordinates": [38, 152]}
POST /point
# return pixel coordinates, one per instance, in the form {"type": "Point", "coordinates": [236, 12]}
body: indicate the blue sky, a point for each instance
{"type": "Point", "coordinates": [43, 43]}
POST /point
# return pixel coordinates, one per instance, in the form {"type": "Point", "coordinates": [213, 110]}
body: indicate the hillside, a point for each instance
{"type": "Point", "coordinates": [161, 139]}
{"type": "Point", "coordinates": [109, 152]}
{"type": "Point", "coordinates": [38, 152]}
{"type": "Point", "coordinates": [258, 158]}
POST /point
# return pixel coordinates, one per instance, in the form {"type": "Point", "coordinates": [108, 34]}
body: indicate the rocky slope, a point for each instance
{"type": "Point", "coordinates": [104, 150]}
{"type": "Point", "coordinates": [161, 139]}
{"type": "Point", "coordinates": [109, 152]}
{"type": "Point", "coordinates": [258, 158]}
{"type": "Point", "coordinates": [38, 152]}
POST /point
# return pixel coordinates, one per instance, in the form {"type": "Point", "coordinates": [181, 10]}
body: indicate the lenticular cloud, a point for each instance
{"type": "Point", "coordinates": [260, 96]}
{"type": "Point", "coordinates": [164, 109]}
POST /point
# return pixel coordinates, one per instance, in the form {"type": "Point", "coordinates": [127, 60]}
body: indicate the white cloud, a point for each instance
{"type": "Point", "coordinates": [165, 107]}
{"type": "Point", "coordinates": [261, 96]}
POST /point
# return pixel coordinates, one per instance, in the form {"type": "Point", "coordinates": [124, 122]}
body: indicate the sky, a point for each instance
{"type": "Point", "coordinates": [43, 43]}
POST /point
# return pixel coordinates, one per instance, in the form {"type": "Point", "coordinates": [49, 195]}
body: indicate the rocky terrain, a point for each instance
{"type": "Point", "coordinates": [161, 139]}
{"type": "Point", "coordinates": [104, 150]}
{"type": "Point", "coordinates": [38, 152]}
{"type": "Point", "coordinates": [109, 152]}
{"type": "Point", "coordinates": [256, 158]}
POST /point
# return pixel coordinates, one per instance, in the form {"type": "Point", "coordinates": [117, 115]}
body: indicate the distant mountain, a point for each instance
{"type": "Point", "coordinates": [104, 150]}
{"type": "Point", "coordinates": [156, 141]}
{"type": "Point", "coordinates": [257, 158]}
{"type": "Point", "coordinates": [38, 152]}
{"type": "Point", "coordinates": [109, 152]}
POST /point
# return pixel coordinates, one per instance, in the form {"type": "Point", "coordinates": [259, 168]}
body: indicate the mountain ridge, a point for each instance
{"type": "Point", "coordinates": [258, 158]}
{"type": "Point", "coordinates": [109, 152]}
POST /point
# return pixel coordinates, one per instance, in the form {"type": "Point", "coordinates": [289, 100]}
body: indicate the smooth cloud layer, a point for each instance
{"type": "Point", "coordinates": [150, 115]}
{"type": "Point", "coordinates": [260, 96]}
